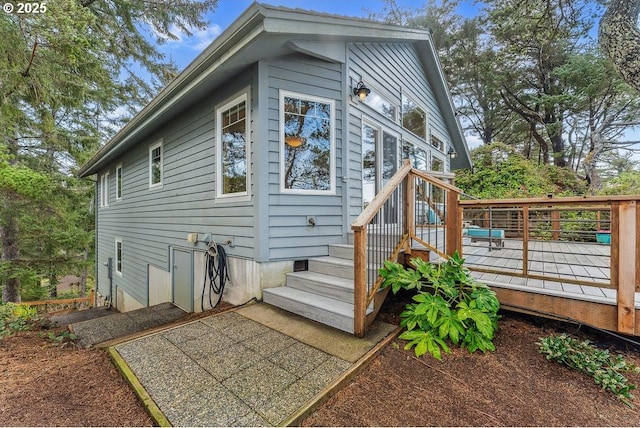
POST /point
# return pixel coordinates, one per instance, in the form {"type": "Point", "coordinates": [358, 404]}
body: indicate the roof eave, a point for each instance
{"type": "Point", "coordinates": [240, 32]}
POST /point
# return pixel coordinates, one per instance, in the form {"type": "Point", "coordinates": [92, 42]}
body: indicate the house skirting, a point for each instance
{"type": "Point", "coordinates": [247, 279]}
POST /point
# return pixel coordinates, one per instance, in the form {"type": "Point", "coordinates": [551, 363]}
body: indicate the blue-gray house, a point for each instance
{"type": "Point", "coordinates": [270, 143]}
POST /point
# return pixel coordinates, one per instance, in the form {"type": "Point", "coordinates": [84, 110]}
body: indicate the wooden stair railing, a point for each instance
{"type": "Point", "coordinates": [387, 227]}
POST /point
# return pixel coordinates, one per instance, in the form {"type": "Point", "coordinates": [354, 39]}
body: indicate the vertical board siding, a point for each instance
{"type": "Point", "coordinates": [151, 221]}
{"type": "Point", "coordinates": [392, 69]}
{"type": "Point", "coordinates": [290, 237]}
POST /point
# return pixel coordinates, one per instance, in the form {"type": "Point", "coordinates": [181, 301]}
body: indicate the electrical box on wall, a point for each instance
{"type": "Point", "coordinates": [192, 237]}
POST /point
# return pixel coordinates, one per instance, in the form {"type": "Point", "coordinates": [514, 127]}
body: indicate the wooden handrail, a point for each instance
{"type": "Point", "coordinates": [381, 197]}
{"type": "Point", "coordinates": [88, 298]}
{"type": "Point", "coordinates": [571, 200]}
{"type": "Point", "coordinates": [365, 288]}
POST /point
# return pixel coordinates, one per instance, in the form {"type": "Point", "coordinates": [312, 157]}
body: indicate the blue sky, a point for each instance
{"type": "Point", "coordinates": [183, 51]}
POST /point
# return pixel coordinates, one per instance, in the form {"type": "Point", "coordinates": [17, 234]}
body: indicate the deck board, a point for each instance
{"type": "Point", "coordinates": [587, 263]}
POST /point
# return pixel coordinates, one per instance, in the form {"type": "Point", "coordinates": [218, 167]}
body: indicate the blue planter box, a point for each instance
{"type": "Point", "coordinates": [603, 237]}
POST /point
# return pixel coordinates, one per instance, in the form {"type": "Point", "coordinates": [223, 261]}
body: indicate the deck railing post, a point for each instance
{"type": "Point", "coordinates": [454, 223]}
{"type": "Point", "coordinates": [409, 196]}
{"type": "Point", "coordinates": [525, 240]}
{"type": "Point", "coordinates": [555, 225]}
{"type": "Point", "coordinates": [624, 232]}
{"type": "Point", "coordinates": [360, 281]}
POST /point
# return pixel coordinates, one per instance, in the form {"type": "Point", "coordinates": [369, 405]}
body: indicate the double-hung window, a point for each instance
{"type": "Point", "coordinates": [155, 165]}
{"type": "Point", "coordinates": [232, 149]}
{"type": "Point", "coordinates": [104, 190]}
{"type": "Point", "coordinates": [307, 144]}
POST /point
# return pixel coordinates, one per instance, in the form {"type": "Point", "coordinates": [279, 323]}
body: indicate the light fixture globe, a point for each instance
{"type": "Point", "coordinates": [361, 91]}
{"type": "Point", "coordinates": [452, 153]}
{"type": "Point", "coordinates": [294, 141]}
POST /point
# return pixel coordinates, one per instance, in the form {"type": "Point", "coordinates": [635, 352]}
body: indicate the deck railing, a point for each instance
{"type": "Point", "coordinates": [413, 210]}
{"type": "Point", "coordinates": [565, 242]}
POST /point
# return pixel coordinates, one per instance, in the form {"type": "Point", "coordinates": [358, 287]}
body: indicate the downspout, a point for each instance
{"type": "Point", "coordinates": [95, 252]}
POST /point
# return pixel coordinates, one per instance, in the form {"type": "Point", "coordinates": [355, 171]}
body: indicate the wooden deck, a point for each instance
{"type": "Point", "coordinates": [550, 263]}
{"type": "Point", "coordinates": [584, 265]}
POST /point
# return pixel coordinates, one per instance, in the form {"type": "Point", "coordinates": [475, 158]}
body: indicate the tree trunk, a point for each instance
{"type": "Point", "coordinates": [10, 253]}
{"type": "Point", "coordinates": [591, 161]}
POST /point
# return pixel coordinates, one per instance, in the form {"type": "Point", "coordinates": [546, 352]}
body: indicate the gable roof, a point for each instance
{"type": "Point", "coordinates": [262, 32]}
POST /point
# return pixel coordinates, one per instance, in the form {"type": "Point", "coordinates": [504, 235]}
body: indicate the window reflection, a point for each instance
{"type": "Point", "coordinates": [234, 149]}
{"type": "Point", "coordinates": [381, 104]}
{"type": "Point", "coordinates": [413, 117]}
{"type": "Point", "coordinates": [307, 144]}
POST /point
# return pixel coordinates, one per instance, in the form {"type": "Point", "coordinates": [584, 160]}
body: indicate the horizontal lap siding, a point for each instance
{"type": "Point", "coordinates": [150, 221]}
{"type": "Point", "coordinates": [290, 237]}
{"type": "Point", "coordinates": [392, 69]}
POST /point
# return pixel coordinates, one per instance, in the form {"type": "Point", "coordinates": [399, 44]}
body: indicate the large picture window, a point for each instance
{"type": "Point", "coordinates": [155, 165]}
{"type": "Point", "coordinates": [307, 144]}
{"type": "Point", "coordinates": [232, 148]}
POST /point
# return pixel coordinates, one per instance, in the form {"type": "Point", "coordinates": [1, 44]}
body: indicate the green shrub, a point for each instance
{"type": "Point", "coordinates": [14, 317]}
{"type": "Point", "coordinates": [450, 306]}
{"type": "Point", "coordinates": [604, 368]}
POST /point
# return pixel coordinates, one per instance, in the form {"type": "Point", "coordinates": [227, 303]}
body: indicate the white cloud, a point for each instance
{"type": "Point", "coordinates": [198, 40]}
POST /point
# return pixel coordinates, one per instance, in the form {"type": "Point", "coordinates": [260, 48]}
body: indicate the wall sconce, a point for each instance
{"type": "Point", "coordinates": [294, 141]}
{"type": "Point", "coordinates": [361, 91]}
{"type": "Point", "coordinates": [452, 153]}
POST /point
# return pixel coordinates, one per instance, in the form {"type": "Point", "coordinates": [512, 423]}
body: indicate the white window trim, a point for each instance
{"type": "Point", "coordinates": [152, 147]}
{"type": "Point", "coordinates": [115, 258]}
{"type": "Point", "coordinates": [104, 190]}
{"type": "Point", "coordinates": [332, 144]}
{"type": "Point", "coordinates": [245, 96]}
{"type": "Point", "coordinates": [119, 180]}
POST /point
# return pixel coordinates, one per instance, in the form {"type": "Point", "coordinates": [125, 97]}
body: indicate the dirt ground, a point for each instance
{"type": "Point", "coordinates": [43, 385]}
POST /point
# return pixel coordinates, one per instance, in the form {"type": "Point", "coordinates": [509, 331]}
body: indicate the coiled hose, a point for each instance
{"type": "Point", "coordinates": [216, 273]}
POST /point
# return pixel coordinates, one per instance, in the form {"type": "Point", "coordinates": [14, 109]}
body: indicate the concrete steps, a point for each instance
{"type": "Point", "coordinates": [324, 293]}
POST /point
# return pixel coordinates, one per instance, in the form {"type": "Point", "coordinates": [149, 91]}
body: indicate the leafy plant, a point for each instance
{"type": "Point", "coordinates": [450, 306]}
{"type": "Point", "coordinates": [15, 317]}
{"type": "Point", "coordinates": [604, 368]}
{"type": "Point", "coordinates": [62, 338]}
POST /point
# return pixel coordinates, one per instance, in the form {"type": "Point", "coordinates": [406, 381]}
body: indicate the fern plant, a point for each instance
{"type": "Point", "coordinates": [450, 306]}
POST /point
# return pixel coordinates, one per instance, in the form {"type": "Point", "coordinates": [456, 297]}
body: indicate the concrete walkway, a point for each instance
{"type": "Point", "coordinates": [98, 325]}
{"type": "Point", "coordinates": [254, 366]}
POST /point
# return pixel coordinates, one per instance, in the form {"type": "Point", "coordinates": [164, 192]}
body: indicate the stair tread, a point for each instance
{"type": "Point", "coordinates": [333, 280]}
{"type": "Point", "coordinates": [333, 260]}
{"type": "Point", "coordinates": [321, 302]}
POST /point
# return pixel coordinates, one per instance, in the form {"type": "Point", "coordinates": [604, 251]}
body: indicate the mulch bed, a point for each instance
{"type": "Point", "coordinates": [514, 386]}
{"type": "Point", "coordinates": [45, 385]}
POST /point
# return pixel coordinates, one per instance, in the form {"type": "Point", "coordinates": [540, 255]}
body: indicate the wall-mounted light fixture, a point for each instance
{"type": "Point", "coordinates": [452, 153]}
{"type": "Point", "coordinates": [294, 140]}
{"type": "Point", "coordinates": [361, 91]}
